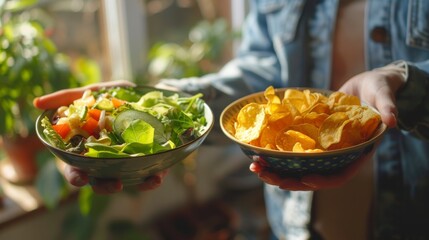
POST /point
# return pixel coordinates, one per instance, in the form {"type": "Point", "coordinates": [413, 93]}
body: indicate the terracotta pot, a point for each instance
{"type": "Point", "coordinates": [20, 165]}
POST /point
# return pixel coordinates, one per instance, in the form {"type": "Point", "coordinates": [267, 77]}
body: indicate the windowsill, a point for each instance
{"type": "Point", "coordinates": [21, 201]}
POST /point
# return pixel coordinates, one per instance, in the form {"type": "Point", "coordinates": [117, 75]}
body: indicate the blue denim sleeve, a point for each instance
{"type": "Point", "coordinates": [413, 102]}
{"type": "Point", "coordinates": [255, 67]}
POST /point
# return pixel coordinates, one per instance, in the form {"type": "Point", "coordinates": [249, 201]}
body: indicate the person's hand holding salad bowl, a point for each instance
{"type": "Point", "coordinates": [83, 124]}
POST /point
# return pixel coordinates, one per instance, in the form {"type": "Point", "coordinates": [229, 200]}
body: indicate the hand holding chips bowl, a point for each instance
{"type": "Point", "coordinates": [298, 131]}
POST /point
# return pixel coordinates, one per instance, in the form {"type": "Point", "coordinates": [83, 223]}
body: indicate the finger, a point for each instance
{"type": "Point", "coordinates": [150, 183]}
{"type": "Point", "coordinates": [75, 176]}
{"type": "Point", "coordinates": [336, 180]}
{"type": "Point", "coordinates": [256, 167]}
{"type": "Point", "coordinates": [385, 103]}
{"type": "Point", "coordinates": [166, 87]}
{"type": "Point", "coordinates": [285, 183]}
{"type": "Point", "coordinates": [106, 186]}
{"type": "Point", "coordinates": [78, 178]}
{"type": "Point", "coordinates": [153, 181]}
{"type": "Point", "coordinates": [294, 184]}
{"type": "Point", "coordinates": [66, 96]}
{"type": "Point", "coordinates": [60, 98]}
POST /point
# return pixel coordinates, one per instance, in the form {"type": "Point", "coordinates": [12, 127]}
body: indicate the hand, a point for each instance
{"type": "Point", "coordinates": [311, 182]}
{"type": "Point", "coordinates": [78, 178]}
{"type": "Point", "coordinates": [74, 175]}
{"type": "Point", "coordinates": [67, 96]}
{"type": "Point", "coordinates": [378, 88]}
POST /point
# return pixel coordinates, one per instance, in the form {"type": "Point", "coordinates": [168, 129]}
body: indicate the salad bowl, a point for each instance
{"type": "Point", "coordinates": [131, 169]}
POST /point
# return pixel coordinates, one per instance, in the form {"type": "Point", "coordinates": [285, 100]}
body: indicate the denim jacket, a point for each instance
{"type": "Point", "coordinates": [288, 43]}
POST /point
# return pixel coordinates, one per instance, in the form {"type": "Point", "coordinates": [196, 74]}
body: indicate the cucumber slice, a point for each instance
{"type": "Point", "coordinates": [123, 120]}
{"type": "Point", "coordinates": [83, 112]}
{"type": "Point", "coordinates": [105, 104]}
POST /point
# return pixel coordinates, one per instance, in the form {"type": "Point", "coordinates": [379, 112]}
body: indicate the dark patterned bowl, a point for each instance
{"type": "Point", "coordinates": [295, 163]}
{"type": "Point", "coordinates": [131, 170]}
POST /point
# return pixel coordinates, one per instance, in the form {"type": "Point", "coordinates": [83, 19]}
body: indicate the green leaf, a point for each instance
{"type": "Point", "coordinates": [180, 122]}
{"type": "Point", "coordinates": [137, 149]}
{"type": "Point", "coordinates": [160, 148]}
{"type": "Point", "coordinates": [105, 154]}
{"type": "Point", "coordinates": [85, 195]}
{"type": "Point", "coordinates": [51, 135]}
{"type": "Point", "coordinates": [124, 119]}
{"type": "Point", "coordinates": [99, 150]}
{"type": "Point", "coordinates": [139, 131]}
{"type": "Point", "coordinates": [50, 184]}
{"type": "Point", "coordinates": [125, 94]}
{"type": "Point", "coordinates": [91, 203]}
{"type": "Point", "coordinates": [103, 147]}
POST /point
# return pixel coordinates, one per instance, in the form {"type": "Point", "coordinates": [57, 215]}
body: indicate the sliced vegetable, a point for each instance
{"type": "Point", "coordinates": [88, 101]}
{"type": "Point", "coordinates": [117, 102]}
{"type": "Point", "coordinates": [105, 104]}
{"type": "Point", "coordinates": [51, 135]}
{"type": "Point", "coordinates": [139, 131]}
{"type": "Point", "coordinates": [83, 112]}
{"type": "Point", "coordinates": [124, 119]}
{"type": "Point", "coordinates": [90, 126]}
{"type": "Point", "coordinates": [62, 129]}
{"type": "Point", "coordinates": [94, 113]}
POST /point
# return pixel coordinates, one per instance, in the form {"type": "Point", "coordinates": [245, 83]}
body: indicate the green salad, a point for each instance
{"type": "Point", "coordinates": [122, 121]}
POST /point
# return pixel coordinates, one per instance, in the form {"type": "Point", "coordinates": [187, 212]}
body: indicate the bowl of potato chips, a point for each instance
{"type": "Point", "coordinates": [299, 131]}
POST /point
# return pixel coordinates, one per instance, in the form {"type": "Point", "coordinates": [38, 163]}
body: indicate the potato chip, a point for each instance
{"type": "Point", "coordinates": [287, 106]}
{"type": "Point", "coordinates": [350, 135]}
{"type": "Point", "coordinates": [313, 98]}
{"type": "Point", "coordinates": [319, 107]}
{"type": "Point", "coordinates": [341, 98]}
{"type": "Point", "coordinates": [296, 98]}
{"type": "Point", "coordinates": [306, 121]}
{"type": "Point", "coordinates": [332, 129]}
{"type": "Point", "coordinates": [280, 120]}
{"type": "Point", "coordinates": [270, 95]}
{"type": "Point", "coordinates": [370, 121]}
{"type": "Point", "coordinates": [313, 118]}
{"type": "Point", "coordinates": [307, 129]}
{"type": "Point", "coordinates": [274, 103]}
{"type": "Point", "coordinates": [250, 121]}
{"type": "Point", "coordinates": [298, 148]}
{"type": "Point", "coordinates": [345, 108]}
{"type": "Point", "coordinates": [255, 142]}
{"type": "Point", "coordinates": [286, 140]}
{"type": "Point", "coordinates": [268, 136]}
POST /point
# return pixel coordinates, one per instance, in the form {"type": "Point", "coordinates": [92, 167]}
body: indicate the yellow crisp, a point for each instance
{"type": "Point", "coordinates": [250, 121]}
{"type": "Point", "coordinates": [306, 121]}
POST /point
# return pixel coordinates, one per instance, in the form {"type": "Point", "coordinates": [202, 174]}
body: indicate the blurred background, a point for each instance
{"type": "Point", "coordinates": [48, 45]}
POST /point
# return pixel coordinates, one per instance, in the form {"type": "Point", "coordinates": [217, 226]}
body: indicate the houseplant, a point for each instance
{"type": "Point", "coordinates": [30, 66]}
{"type": "Point", "coordinates": [198, 55]}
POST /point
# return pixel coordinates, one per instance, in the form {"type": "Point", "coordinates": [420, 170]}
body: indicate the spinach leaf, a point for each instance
{"type": "Point", "coordinates": [139, 131]}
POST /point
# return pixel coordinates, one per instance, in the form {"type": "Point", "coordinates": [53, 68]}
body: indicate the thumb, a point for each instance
{"type": "Point", "coordinates": [385, 103]}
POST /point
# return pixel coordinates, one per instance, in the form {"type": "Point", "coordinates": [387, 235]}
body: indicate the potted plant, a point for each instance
{"type": "Point", "coordinates": [30, 66]}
